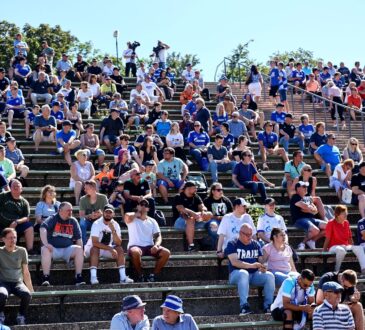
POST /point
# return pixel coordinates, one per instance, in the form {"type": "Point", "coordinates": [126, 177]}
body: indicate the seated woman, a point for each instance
{"type": "Point", "coordinates": [164, 83]}
{"type": "Point", "coordinates": [318, 138]}
{"type": "Point", "coordinates": [339, 239]}
{"type": "Point", "coordinates": [341, 177]}
{"type": "Point", "coordinates": [47, 206]}
{"type": "Point", "coordinates": [148, 151]}
{"type": "Point", "coordinates": [74, 116]}
{"type": "Point", "coordinates": [123, 168]}
{"type": "Point", "coordinates": [353, 151]}
{"type": "Point", "coordinates": [90, 143]}
{"type": "Point", "coordinates": [242, 143]}
{"type": "Point", "coordinates": [279, 256]}
{"type": "Point", "coordinates": [175, 140]}
{"type": "Point", "coordinates": [220, 116]}
{"type": "Point", "coordinates": [81, 171]}
{"type": "Point", "coordinates": [306, 176]}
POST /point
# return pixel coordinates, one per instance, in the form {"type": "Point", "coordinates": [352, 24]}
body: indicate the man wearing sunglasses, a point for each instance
{"type": "Point", "coordinates": [145, 240]}
{"type": "Point", "coordinates": [294, 299]}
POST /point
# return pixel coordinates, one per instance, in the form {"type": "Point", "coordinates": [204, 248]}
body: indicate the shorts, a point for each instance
{"type": "Point", "coordinates": [102, 253]}
{"type": "Point", "coordinates": [111, 138]}
{"type": "Point", "coordinates": [278, 314]}
{"type": "Point", "coordinates": [98, 152]}
{"type": "Point", "coordinates": [255, 89]}
{"type": "Point", "coordinates": [63, 253]}
{"type": "Point", "coordinates": [273, 90]}
{"type": "Point", "coordinates": [354, 199]}
{"type": "Point", "coordinates": [177, 183]}
{"type": "Point", "coordinates": [307, 223]}
{"type": "Point", "coordinates": [180, 224]}
{"type": "Point", "coordinates": [145, 251]}
{"type": "Point", "coordinates": [21, 228]}
{"type": "Point", "coordinates": [282, 93]}
{"type": "Point", "coordinates": [46, 138]}
{"type": "Point", "coordinates": [18, 114]}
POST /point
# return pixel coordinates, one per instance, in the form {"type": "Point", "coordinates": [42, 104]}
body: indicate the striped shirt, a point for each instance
{"type": "Point", "coordinates": [325, 318]}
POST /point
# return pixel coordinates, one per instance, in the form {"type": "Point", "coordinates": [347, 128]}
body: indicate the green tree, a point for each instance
{"type": "Point", "coordinates": [178, 62]}
{"type": "Point", "coordinates": [299, 55]}
{"type": "Point", "coordinates": [7, 36]}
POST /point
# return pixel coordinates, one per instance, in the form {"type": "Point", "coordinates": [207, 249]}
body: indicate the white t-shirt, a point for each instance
{"type": "Point", "coordinates": [141, 232]}
{"type": "Point", "coordinates": [128, 52]}
{"type": "Point", "coordinates": [149, 88]}
{"type": "Point", "coordinates": [188, 75]}
{"type": "Point", "coordinates": [162, 55]}
{"type": "Point", "coordinates": [267, 223]}
{"type": "Point", "coordinates": [108, 70]}
{"type": "Point", "coordinates": [135, 93]}
{"type": "Point", "coordinates": [84, 95]}
{"type": "Point", "coordinates": [95, 89]}
{"type": "Point", "coordinates": [140, 74]}
{"type": "Point", "coordinates": [103, 232]}
{"type": "Point", "coordinates": [339, 169]}
{"type": "Point", "coordinates": [176, 140]}
{"type": "Point", "coordinates": [230, 227]}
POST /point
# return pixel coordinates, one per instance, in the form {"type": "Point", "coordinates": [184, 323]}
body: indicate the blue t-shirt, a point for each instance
{"type": "Point", "coordinates": [228, 141]}
{"type": "Point", "coordinates": [16, 101]}
{"type": "Point", "coordinates": [23, 70]}
{"type": "Point", "coordinates": [307, 130]}
{"type": "Point", "coordinates": [360, 228]}
{"type": "Point", "coordinates": [278, 117]}
{"type": "Point", "coordinates": [163, 127]}
{"type": "Point", "coordinates": [171, 170]}
{"type": "Point", "coordinates": [220, 119]}
{"type": "Point", "coordinates": [31, 117]}
{"type": "Point", "coordinates": [64, 136]}
{"type": "Point", "coordinates": [244, 172]}
{"type": "Point", "coordinates": [324, 76]}
{"type": "Point", "coordinates": [329, 154]}
{"type": "Point", "coordinates": [339, 83]}
{"type": "Point", "coordinates": [307, 70]}
{"type": "Point", "coordinates": [58, 115]}
{"type": "Point", "coordinates": [298, 74]}
{"type": "Point", "coordinates": [131, 149]}
{"type": "Point", "coordinates": [191, 107]}
{"type": "Point", "coordinates": [249, 253]}
{"type": "Point", "coordinates": [274, 75]}
{"type": "Point", "coordinates": [40, 121]}
{"type": "Point", "coordinates": [269, 140]}
{"type": "Point", "coordinates": [237, 127]}
{"type": "Point", "coordinates": [199, 139]}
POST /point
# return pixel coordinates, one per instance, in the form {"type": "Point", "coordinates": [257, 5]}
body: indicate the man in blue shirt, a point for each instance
{"type": "Point", "coordinates": [278, 117]}
{"type": "Point", "coordinates": [15, 105]}
{"type": "Point", "coordinates": [237, 127]}
{"type": "Point", "coordinates": [245, 268]}
{"type": "Point", "coordinates": [45, 127]}
{"type": "Point", "coordinates": [40, 90]}
{"type": "Point", "coordinates": [66, 141]}
{"type": "Point", "coordinates": [274, 81]}
{"type": "Point", "coordinates": [198, 142]}
{"type": "Point", "coordinates": [328, 155]}
{"type": "Point", "coordinates": [298, 77]}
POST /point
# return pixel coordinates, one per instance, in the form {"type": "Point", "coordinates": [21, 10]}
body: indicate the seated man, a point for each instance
{"type": "Point", "coordinates": [199, 142]}
{"type": "Point", "coordinates": [154, 92]}
{"type": "Point", "coordinates": [294, 299]}
{"type": "Point", "coordinates": [58, 233]}
{"type": "Point", "coordinates": [218, 158]}
{"type": "Point", "coordinates": [139, 113]}
{"type": "Point", "coordinates": [292, 170]}
{"type": "Point", "coordinates": [16, 156]}
{"type": "Point", "coordinates": [298, 77]}
{"type": "Point", "coordinates": [349, 296]}
{"type": "Point", "coordinates": [303, 213]}
{"type": "Point", "coordinates": [107, 90]}
{"type": "Point", "coordinates": [250, 118]}
{"type": "Point", "coordinates": [110, 128]}
{"type": "Point", "coordinates": [7, 168]}
{"type": "Point", "coordinates": [14, 276]}
{"type": "Point", "coordinates": [106, 241]}
{"type": "Point", "coordinates": [358, 189]}
{"type": "Point", "coordinates": [278, 117]}
{"type": "Point", "coordinates": [328, 155]}
{"type": "Point", "coordinates": [45, 127]}
{"type": "Point", "coordinates": [171, 173]}
{"type": "Point", "coordinates": [269, 145]}
{"type": "Point", "coordinates": [190, 212]}
{"type": "Point", "coordinates": [138, 91]}
{"type": "Point", "coordinates": [290, 134]}
{"type": "Point", "coordinates": [66, 141]}
{"type": "Point", "coordinates": [246, 268]}
{"type": "Point", "coordinates": [39, 90]}
{"type": "Point", "coordinates": [15, 104]}
{"type": "Point", "coordinates": [237, 127]}
{"type": "Point", "coordinates": [145, 240]}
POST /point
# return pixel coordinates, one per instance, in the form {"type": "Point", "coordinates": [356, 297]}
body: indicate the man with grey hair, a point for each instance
{"type": "Point", "coordinates": [39, 90]}
{"type": "Point", "coordinates": [45, 127]}
{"type": "Point", "coordinates": [246, 267]}
{"type": "Point", "coordinates": [58, 233]}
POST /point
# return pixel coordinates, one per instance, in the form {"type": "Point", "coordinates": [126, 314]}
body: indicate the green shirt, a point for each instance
{"type": "Point", "coordinates": [6, 167]}
{"type": "Point", "coordinates": [88, 208]}
{"type": "Point", "coordinates": [11, 264]}
{"type": "Point", "coordinates": [12, 209]}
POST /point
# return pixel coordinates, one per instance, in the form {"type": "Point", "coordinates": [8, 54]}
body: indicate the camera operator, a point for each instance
{"type": "Point", "coordinates": [130, 58]}
{"type": "Point", "coordinates": [159, 54]}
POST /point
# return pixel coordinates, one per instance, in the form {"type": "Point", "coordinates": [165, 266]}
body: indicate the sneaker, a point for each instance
{"type": "Point", "coordinates": [45, 280]}
{"type": "Point", "coordinates": [267, 310]}
{"type": "Point", "coordinates": [311, 244]}
{"type": "Point", "coordinates": [9, 128]}
{"type": "Point", "coordinates": [191, 248]}
{"type": "Point", "coordinates": [151, 278]}
{"type": "Point", "coordinates": [94, 281]}
{"type": "Point", "coordinates": [20, 320]}
{"type": "Point", "coordinates": [79, 280]}
{"type": "Point", "coordinates": [30, 138]}
{"type": "Point", "coordinates": [126, 280]}
{"type": "Point", "coordinates": [2, 318]}
{"type": "Point", "coordinates": [245, 310]}
{"type": "Point", "coordinates": [301, 246]}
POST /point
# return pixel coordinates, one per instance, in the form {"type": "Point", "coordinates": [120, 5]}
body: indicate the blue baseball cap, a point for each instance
{"type": "Point", "coordinates": [332, 286]}
{"type": "Point", "coordinates": [132, 302]}
{"type": "Point", "coordinates": [174, 303]}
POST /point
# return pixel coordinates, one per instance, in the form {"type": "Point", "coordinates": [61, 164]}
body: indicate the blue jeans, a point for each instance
{"type": "Point", "coordinates": [255, 187]}
{"type": "Point", "coordinates": [297, 140]}
{"type": "Point", "coordinates": [243, 279]}
{"type": "Point", "coordinates": [280, 276]}
{"type": "Point", "coordinates": [180, 224]}
{"type": "Point", "coordinates": [85, 225]}
{"type": "Point", "coordinates": [214, 168]}
{"type": "Point", "coordinates": [212, 227]}
{"type": "Point", "coordinates": [197, 155]}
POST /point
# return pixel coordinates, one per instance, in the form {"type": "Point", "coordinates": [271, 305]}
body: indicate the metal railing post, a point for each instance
{"type": "Point", "coordinates": [314, 110]}
{"type": "Point", "coordinates": [337, 118]}
{"type": "Point", "coordinates": [292, 99]}
{"type": "Point", "coordinates": [302, 99]}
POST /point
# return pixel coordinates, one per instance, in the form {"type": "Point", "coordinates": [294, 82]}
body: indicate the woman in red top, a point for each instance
{"type": "Point", "coordinates": [339, 239]}
{"type": "Point", "coordinates": [354, 101]}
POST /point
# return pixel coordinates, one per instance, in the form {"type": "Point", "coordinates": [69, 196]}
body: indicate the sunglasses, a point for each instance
{"type": "Point", "coordinates": [354, 144]}
{"type": "Point", "coordinates": [308, 170]}
{"type": "Point", "coordinates": [144, 204]}
{"type": "Point", "coordinates": [196, 125]}
{"type": "Point", "coordinates": [248, 156]}
{"type": "Point", "coordinates": [218, 189]}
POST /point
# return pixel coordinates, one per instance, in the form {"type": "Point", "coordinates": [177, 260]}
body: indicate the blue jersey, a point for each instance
{"type": "Point", "coordinates": [23, 70]}
{"type": "Point", "coordinates": [278, 117]}
{"type": "Point", "coordinates": [228, 141]}
{"type": "Point", "coordinates": [360, 229]}
{"type": "Point", "coordinates": [31, 117]}
{"type": "Point", "coordinates": [220, 119]}
{"type": "Point", "coordinates": [324, 76]}
{"type": "Point", "coordinates": [191, 107]}
{"type": "Point", "coordinates": [339, 83]}
{"type": "Point", "coordinates": [58, 115]}
{"type": "Point", "coordinates": [131, 149]}
{"type": "Point", "coordinates": [298, 74]}
{"type": "Point", "coordinates": [307, 130]}
{"type": "Point", "coordinates": [15, 101]}
{"type": "Point", "coordinates": [274, 76]}
{"type": "Point", "coordinates": [171, 76]}
{"type": "Point", "coordinates": [199, 139]}
{"type": "Point", "coordinates": [65, 137]}
{"type": "Point", "coordinates": [269, 140]}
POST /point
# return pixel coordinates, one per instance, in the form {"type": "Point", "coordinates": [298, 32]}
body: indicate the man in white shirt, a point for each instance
{"type": "Point", "coordinates": [150, 87]}
{"type": "Point", "coordinates": [231, 223]}
{"type": "Point", "coordinates": [268, 221]}
{"type": "Point", "coordinates": [188, 74]}
{"type": "Point", "coordinates": [145, 240]}
{"type": "Point", "coordinates": [130, 60]}
{"type": "Point", "coordinates": [106, 241]}
{"type": "Point", "coordinates": [138, 91]}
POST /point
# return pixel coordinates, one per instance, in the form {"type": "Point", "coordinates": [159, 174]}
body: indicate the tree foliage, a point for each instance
{"type": "Point", "coordinates": [178, 62]}
{"type": "Point", "coordinates": [299, 55]}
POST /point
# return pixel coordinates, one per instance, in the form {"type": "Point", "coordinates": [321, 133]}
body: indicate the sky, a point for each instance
{"type": "Point", "coordinates": [210, 29]}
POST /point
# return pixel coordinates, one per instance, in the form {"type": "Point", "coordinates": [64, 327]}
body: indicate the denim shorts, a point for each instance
{"type": "Point", "coordinates": [177, 183]}
{"type": "Point", "coordinates": [307, 223]}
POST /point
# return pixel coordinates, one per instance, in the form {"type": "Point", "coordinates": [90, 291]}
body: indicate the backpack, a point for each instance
{"type": "Point", "coordinates": [200, 182]}
{"type": "Point", "coordinates": [160, 218]}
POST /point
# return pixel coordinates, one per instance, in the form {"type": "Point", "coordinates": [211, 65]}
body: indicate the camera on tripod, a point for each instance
{"type": "Point", "coordinates": [133, 45]}
{"type": "Point", "coordinates": [157, 49]}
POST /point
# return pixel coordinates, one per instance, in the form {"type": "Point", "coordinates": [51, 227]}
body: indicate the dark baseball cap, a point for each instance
{"type": "Point", "coordinates": [10, 139]}
{"type": "Point", "coordinates": [66, 123]}
{"type": "Point", "coordinates": [269, 201]}
{"type": "Point", "coordinates": [240, 201]}
{"type": "Point", "coordinates": [289, 115]}
{"type": "Point", "coordinates": [280, 105]}
{"type": "Point", "coordinates": [132, 302]}
{"type": "Point", "coordinates": [108, 207]}
{"type": "Point", "coordinates": [189, 184]}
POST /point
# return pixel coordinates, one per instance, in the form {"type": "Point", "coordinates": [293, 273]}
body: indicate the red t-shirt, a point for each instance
{"type": "Point", "coordinates": [356, 101]}
{"type": "Point", "coordinates": [361, 90]}
{"type": "Point", "coordinates": [338, 234]}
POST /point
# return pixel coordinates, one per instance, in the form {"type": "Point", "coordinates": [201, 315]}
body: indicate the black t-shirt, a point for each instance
{"type": "Point", "coordinates": [141, 137]}
{"type": "Point", "coordinates": [218, 207]}
{"type": "Point", "coordinates": [333, 276]}
{"type": "Point", "coordinates": [288, 129]}
{"type": "Point", "coordinates": [358, 180]}
{"type": "Point", "coordinates": [117, 79]}
{"type": "Point", "coordinates": [154, 115]}
{"type": "Point", "coordinates": [252, 105]}
{"type": "Point", "coordinates": [296, 212]}
{"type": "Point", "coordinates": [112, 127]}
{"type": "Point", "coordinates": [148, 155]}
{"type": "Point", "coordinates": [191, 203]}
{"type": "Point", "coordinates": [140, 189]}
{"type": "Point", "coordinates": [203, 116]}
{"type": "Point", "coordinates": [4, 83]}
{"type": "Point", "coordinates": [120, 168]}
{"type": "Point", "coordinates": [46, 66]}
{"type": "Point", "coordinates": [80, 66]}
{"type": "Point", "coordinates": [94, 70]}
{"type": "Point", "coordinates": [40, 87]}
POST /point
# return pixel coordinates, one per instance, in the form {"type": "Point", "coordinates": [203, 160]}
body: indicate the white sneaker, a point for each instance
{"type": "Point", "coordinates": [126, 280]}
{"type": "Point", "coordinates": [311, 244]}
{"type": "Point", "coordinates": [94, 281]}
{"type": "Point", "coordinates": [189, 162]}
{"type": "Point", "coordinates": [9, 128]}
{"type": "Point", "coordinates": [301, 246]}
